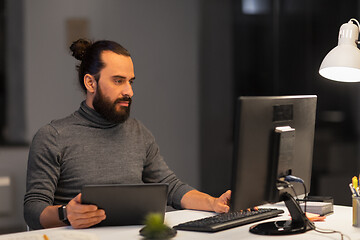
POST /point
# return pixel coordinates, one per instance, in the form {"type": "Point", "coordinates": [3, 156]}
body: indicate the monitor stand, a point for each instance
{"type": "Point", "coordinates": [299, 223]}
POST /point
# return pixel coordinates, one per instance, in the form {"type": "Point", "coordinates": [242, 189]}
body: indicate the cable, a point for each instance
{"type": "Point", "coordinates": [291, 178]}
{"type": "Point", "coordinates": [305, 195]}
{"type": "Point", "coordinates": [327, 231]}
{"type": "Point", "coordinates": [289, 185]}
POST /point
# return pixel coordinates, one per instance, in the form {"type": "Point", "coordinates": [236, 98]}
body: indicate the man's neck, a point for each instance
{"type": "Point", "coordinates": [89, 102]}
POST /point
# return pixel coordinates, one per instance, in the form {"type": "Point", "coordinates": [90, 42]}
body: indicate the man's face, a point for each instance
{"type": "Point", "coordinates": [114, 91]}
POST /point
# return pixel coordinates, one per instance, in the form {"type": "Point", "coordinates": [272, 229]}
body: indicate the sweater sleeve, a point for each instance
{"type": "Point", "coordinates": [43, 172]}
{"type": "Point", "coordinates": [156, 170]}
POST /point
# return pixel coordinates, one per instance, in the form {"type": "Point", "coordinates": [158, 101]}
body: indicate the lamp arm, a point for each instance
{"type": "Point", "coordinates": [357, 23]}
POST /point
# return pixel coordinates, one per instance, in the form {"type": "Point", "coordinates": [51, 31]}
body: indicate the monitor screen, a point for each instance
{"type": "Point", "coordinates": [274, 137]}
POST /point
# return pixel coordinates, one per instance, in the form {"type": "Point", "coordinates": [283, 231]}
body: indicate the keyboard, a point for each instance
{"type": "Point", "coordinates": [229, 220]}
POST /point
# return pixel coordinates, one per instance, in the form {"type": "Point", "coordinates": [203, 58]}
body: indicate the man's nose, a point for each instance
{"type": "Point", "coordinates": [128, 90]}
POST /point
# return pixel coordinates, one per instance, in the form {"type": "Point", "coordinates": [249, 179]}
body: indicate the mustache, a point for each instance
{"type": "Point", "coordinates": [124, 99]}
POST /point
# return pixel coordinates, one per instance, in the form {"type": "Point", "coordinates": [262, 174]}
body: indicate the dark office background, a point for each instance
{"type": "Point", "coordinates": [276, 47]}
{"type": "Point", "coordinates": [2, 70]}
{"type": "Point", "coordinates": [260, 47]}
{"type": "Point", "coordinates": [247, 47]}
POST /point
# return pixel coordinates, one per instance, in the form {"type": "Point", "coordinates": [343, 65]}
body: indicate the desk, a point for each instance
{"type": "Point", "coordinates": [341, 220]}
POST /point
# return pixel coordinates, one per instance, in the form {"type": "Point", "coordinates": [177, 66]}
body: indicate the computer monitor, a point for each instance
{"type": "Point", "coordinates": [274, 137]}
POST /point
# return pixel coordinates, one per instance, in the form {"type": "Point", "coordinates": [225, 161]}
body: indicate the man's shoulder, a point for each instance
{"type": "Point", "coordinates": [64, 122]}
{"type": "Point", "coordinates": [135, 124]}
{"type": "Point", "coordinates": [58, 125]}
{"type": "Point", "coordinates": [137, 127]}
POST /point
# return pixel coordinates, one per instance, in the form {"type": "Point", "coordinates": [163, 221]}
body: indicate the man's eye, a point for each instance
{"type": "Point", "coordinates": [119, 81]}
{"type": "Point", "coordinates": [122, 81]}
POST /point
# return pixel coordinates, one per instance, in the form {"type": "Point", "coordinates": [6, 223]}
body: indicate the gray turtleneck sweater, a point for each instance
{"type": "Point", "coordinates": [84, 148]}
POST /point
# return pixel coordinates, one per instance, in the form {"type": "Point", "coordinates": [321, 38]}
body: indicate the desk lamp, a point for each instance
{"type": "Point", "coordinates": [343, 62]}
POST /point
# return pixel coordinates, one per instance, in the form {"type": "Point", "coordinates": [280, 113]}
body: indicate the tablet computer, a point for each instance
{"type": "Point", "coordinates": [126, 204]}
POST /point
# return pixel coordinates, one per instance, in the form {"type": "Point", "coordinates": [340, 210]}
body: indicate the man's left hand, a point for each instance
{"type": "Point", "coordinates": [221, 204]}
{"type": "Point", "coordinates": [202, 201]}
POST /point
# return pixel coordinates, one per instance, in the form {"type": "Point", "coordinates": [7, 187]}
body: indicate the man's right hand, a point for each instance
{"type": "Point", "coordinates": [82, 215]}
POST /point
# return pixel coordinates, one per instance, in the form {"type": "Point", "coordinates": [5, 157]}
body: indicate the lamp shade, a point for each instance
{"type": "Point", "coordinates": [343, 62]}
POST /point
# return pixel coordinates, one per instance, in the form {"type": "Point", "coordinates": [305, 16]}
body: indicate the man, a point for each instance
{"type": "Point", "coordinates": [99, 144]}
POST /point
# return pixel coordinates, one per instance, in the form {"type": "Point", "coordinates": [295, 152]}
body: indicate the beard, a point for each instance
{"type": "Point", "coordinates": [108, 110]}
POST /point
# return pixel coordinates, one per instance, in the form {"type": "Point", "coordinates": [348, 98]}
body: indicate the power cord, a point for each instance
{"type": "Point", "coordinates": [289, 185]}
{"type": "Point", "coordinates": [327, 231]}
{"type": "Point", "coordinates": [291, 178]}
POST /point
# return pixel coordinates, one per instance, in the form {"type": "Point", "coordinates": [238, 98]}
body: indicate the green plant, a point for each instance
{"type": "Point", "coordinates": [155, 228]}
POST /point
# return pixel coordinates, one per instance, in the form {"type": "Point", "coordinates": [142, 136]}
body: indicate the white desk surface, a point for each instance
{"type": "Point", "coordinates": [341, 220]}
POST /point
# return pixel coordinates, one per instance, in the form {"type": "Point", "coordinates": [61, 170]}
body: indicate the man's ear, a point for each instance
{"type": "Point", "coordinates": [90, 83]}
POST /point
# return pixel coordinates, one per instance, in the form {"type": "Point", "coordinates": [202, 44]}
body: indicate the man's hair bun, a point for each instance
{"type": "Point", "coordinates": [79, 47]}
{"type": "Point", "coordinates": [89, 54]}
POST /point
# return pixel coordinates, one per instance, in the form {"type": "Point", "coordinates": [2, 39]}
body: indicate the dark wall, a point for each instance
{"type": "Point", "coordinates": [276, 49]}
{"type": "Point", "coordinates": [2, 71]}
{"type": "Point", "coordinates": [216, 44]}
